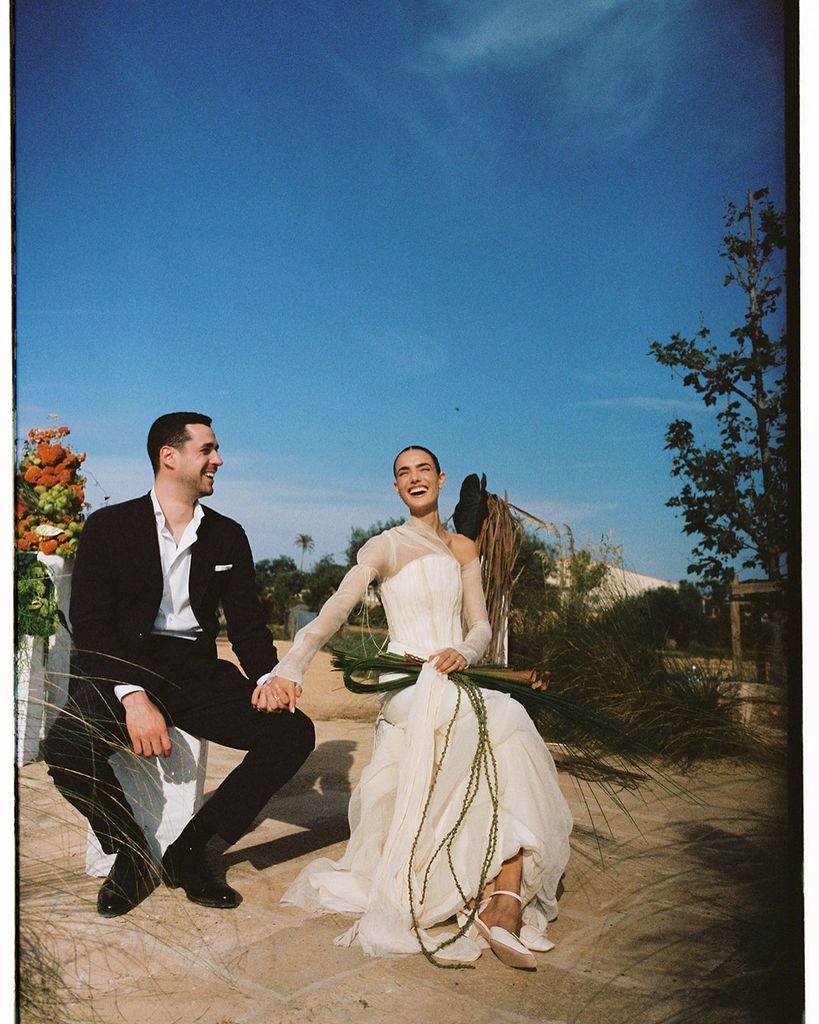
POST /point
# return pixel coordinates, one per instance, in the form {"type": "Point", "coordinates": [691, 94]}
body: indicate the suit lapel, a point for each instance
{"type": "Point", "coordinates": [201, 563]}
{"type": "Point", "coordinates": [146, 545]}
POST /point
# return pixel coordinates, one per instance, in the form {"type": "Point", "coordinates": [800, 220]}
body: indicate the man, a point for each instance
{"type": "Point", "coordinates": [149, 577]}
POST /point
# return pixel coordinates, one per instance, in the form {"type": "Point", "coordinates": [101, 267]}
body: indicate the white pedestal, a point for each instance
{"type": "Point", "coordinates": [30, 657]}
{"type": "Point", "coordinates": [164, 794]}
{"type": "Point", "coordinates": [43, 666]}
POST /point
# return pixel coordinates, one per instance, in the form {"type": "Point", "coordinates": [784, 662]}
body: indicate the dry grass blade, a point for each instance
{"type": "Point", "coordinates": [498, 545]}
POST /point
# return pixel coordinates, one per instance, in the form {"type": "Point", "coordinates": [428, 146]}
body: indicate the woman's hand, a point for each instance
{"type": "Point", "coordinates": [448, 660]}
{"type": "Point", "coordinates": [539, 680]}
{"type": "Point", "coordinates": [277, 694]}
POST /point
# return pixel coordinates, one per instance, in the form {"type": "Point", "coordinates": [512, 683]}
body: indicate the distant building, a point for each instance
{"type": "Point", "coordinates": [625, 581]}
{"type": "Point", "coordinates": [619, 581]}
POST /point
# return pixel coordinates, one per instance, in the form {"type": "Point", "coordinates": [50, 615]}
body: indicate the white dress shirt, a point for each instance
{"type": "Point", "coordinates": [175, 616]}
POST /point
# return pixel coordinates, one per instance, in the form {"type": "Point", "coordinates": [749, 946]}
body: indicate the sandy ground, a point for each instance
{"type": "Point", "coordinates": [675, 909]}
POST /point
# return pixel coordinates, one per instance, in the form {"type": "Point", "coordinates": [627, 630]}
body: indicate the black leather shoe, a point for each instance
{"type": "Point", "coordinates": [131, 879]}
{"type": "Point", "coordinates": [186, 867]}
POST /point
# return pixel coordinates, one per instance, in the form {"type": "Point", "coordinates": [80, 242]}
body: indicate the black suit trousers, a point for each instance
{"type": "Point", "coordinates": [205, 696]}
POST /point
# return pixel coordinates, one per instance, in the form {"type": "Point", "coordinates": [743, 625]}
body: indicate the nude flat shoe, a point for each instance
{"type": "Point", "coordinates": [510, 950]}
{"type": "Point", "coordinates": [532, 939]}
{"type": "Point", "coordinates": [507, 947]}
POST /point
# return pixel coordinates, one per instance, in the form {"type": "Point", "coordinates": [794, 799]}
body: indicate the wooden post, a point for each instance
{"type": "Point", "coordinates": [736, 591]}
{"type": "Point", "coordinates": [736, 625]}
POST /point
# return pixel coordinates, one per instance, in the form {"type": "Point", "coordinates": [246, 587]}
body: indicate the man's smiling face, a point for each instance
{"type": "Point", "coordinates": [196, 462]}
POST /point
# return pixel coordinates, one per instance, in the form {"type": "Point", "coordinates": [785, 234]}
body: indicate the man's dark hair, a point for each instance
{"type": "Point", "coordinates": [171, 429]}
{"type": "Point", "coordinates": [421, 448]}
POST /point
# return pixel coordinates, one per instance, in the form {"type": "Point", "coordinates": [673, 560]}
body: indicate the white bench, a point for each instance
{"type": "Point", "coordinates": [164, 794]}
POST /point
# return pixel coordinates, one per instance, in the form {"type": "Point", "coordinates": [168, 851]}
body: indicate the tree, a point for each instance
{"type": "Point", "coordinates": [278, 583]}
{"type": "Point", "coordinates": [358, 537]}
{"type": "Point", "coordinates": [734, 496]}
{"type": "Point", "coordinates": [306, 543]}
{"type": "Point", "coordinates": [532, 598]}
{"type": "Point", "coordinates": [322, 580]}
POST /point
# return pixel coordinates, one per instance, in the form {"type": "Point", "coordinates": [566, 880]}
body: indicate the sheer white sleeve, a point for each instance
{"type": "Point", "coordinates": [373, 562]}
{"type": "Point", "coordinates": [475, 615]}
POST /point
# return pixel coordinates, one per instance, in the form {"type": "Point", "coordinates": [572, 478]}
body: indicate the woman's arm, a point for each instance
{"type": "Point", "coordinates": [372, 563]}
{"type": "Point", "coordinates": [334, 613]}
{"type": "Point", "coordinates": [479, 632]}
{"type": "Point", "coordinates": [280, 690]}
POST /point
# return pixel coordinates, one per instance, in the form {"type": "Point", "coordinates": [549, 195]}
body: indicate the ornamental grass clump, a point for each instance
{"type": "Point", "coordinates": [609, 654]}
{"type": "Point", "coordinates": [41, 988]}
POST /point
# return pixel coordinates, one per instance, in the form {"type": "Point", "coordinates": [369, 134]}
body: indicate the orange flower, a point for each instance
{"type": "Point", "coordinates": [32, 474]}
{"type": "Point", "coordinates": [64, 476]}
{"type": "Point", "coordinates": [50, 453]}
{"type": "Point", "coordinates": [22, 544]}
{"type": "Point", "coordinates": [78, 491]}
{"type": "Point", "coordinates": [48, 546]}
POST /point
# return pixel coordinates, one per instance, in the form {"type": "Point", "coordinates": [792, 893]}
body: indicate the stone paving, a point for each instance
{"type": "Point", "coordinates": [675, 911]}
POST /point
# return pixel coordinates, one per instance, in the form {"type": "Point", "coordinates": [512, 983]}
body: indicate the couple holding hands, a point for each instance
{"type": "Point", "coordinates": [149, 578]}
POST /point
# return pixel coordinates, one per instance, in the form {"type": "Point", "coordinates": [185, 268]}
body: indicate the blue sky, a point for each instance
{"type": "Point", "coordinates": [339, 230]}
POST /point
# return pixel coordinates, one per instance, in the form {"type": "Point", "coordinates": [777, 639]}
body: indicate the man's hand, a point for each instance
{"type": "Point", "coordinates": [146, 725]}
{"type": "Point", "coordinates": [277, 694]}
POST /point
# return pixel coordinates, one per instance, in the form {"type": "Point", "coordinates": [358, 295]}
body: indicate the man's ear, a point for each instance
{"type": "Point", "coordinates": [167, 456]}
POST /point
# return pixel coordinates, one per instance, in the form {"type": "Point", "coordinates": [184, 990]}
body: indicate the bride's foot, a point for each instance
{"type": "Point", "coordinates": [500, 920]}
{"type": "Point", "coordinates": [502, 910]}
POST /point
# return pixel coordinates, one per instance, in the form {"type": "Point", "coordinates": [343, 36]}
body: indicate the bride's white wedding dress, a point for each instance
{"type": "Point", "coordinates": [425, 592]}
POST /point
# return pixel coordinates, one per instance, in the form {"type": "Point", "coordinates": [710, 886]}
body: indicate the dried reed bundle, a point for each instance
{"type": "Point", "coordinates": [498, 545]}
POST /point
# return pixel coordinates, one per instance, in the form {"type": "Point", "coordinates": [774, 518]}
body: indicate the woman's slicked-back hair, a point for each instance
{"type": "Point", "coordinates": [420, 448]}
{"type": "Point", "coordinates": [171, 429]}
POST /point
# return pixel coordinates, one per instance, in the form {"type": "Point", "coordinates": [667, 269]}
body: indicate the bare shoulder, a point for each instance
{"type": "Point", "coordinates": [463, 548]}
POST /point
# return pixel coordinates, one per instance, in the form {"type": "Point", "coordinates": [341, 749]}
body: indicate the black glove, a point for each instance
{"type": "Point", "coordinates": [471, 509]}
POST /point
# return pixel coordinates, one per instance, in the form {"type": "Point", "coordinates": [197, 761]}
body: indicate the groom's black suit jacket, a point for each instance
{"type": "Point", "coordinates": [117, 584]}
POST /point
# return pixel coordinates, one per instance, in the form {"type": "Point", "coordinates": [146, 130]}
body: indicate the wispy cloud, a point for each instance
{"type": "Point", "coordinates": [559, 513]}
{"type": "Point", "coordinates": [115, 478]}
{"type": "Point", "coordinates": [513, 30]}
{"type": "Point", "coordinates": [274, 512]}
{"type": "Point", "coordinates": [645, 402]}
{"type": "Point", "coordinates": [276, 503]}
{"type": "Point", "coordinates": [408, 353]}
{"type": "Point", "coordinates": [273, 504]}
{"type": "Point", "coordinates": [605, 61]}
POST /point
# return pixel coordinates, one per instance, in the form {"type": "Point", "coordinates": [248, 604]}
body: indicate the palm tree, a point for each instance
{"type": "Point", "coordinates": [306, 543]}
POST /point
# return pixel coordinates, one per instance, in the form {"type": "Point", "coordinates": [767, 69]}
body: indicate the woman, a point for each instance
{"type": "Point", "coordinates": [430, 580]}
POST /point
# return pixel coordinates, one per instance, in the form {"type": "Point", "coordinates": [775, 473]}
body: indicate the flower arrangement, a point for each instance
{"type": "Point", "coordinates": [50, 495]}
